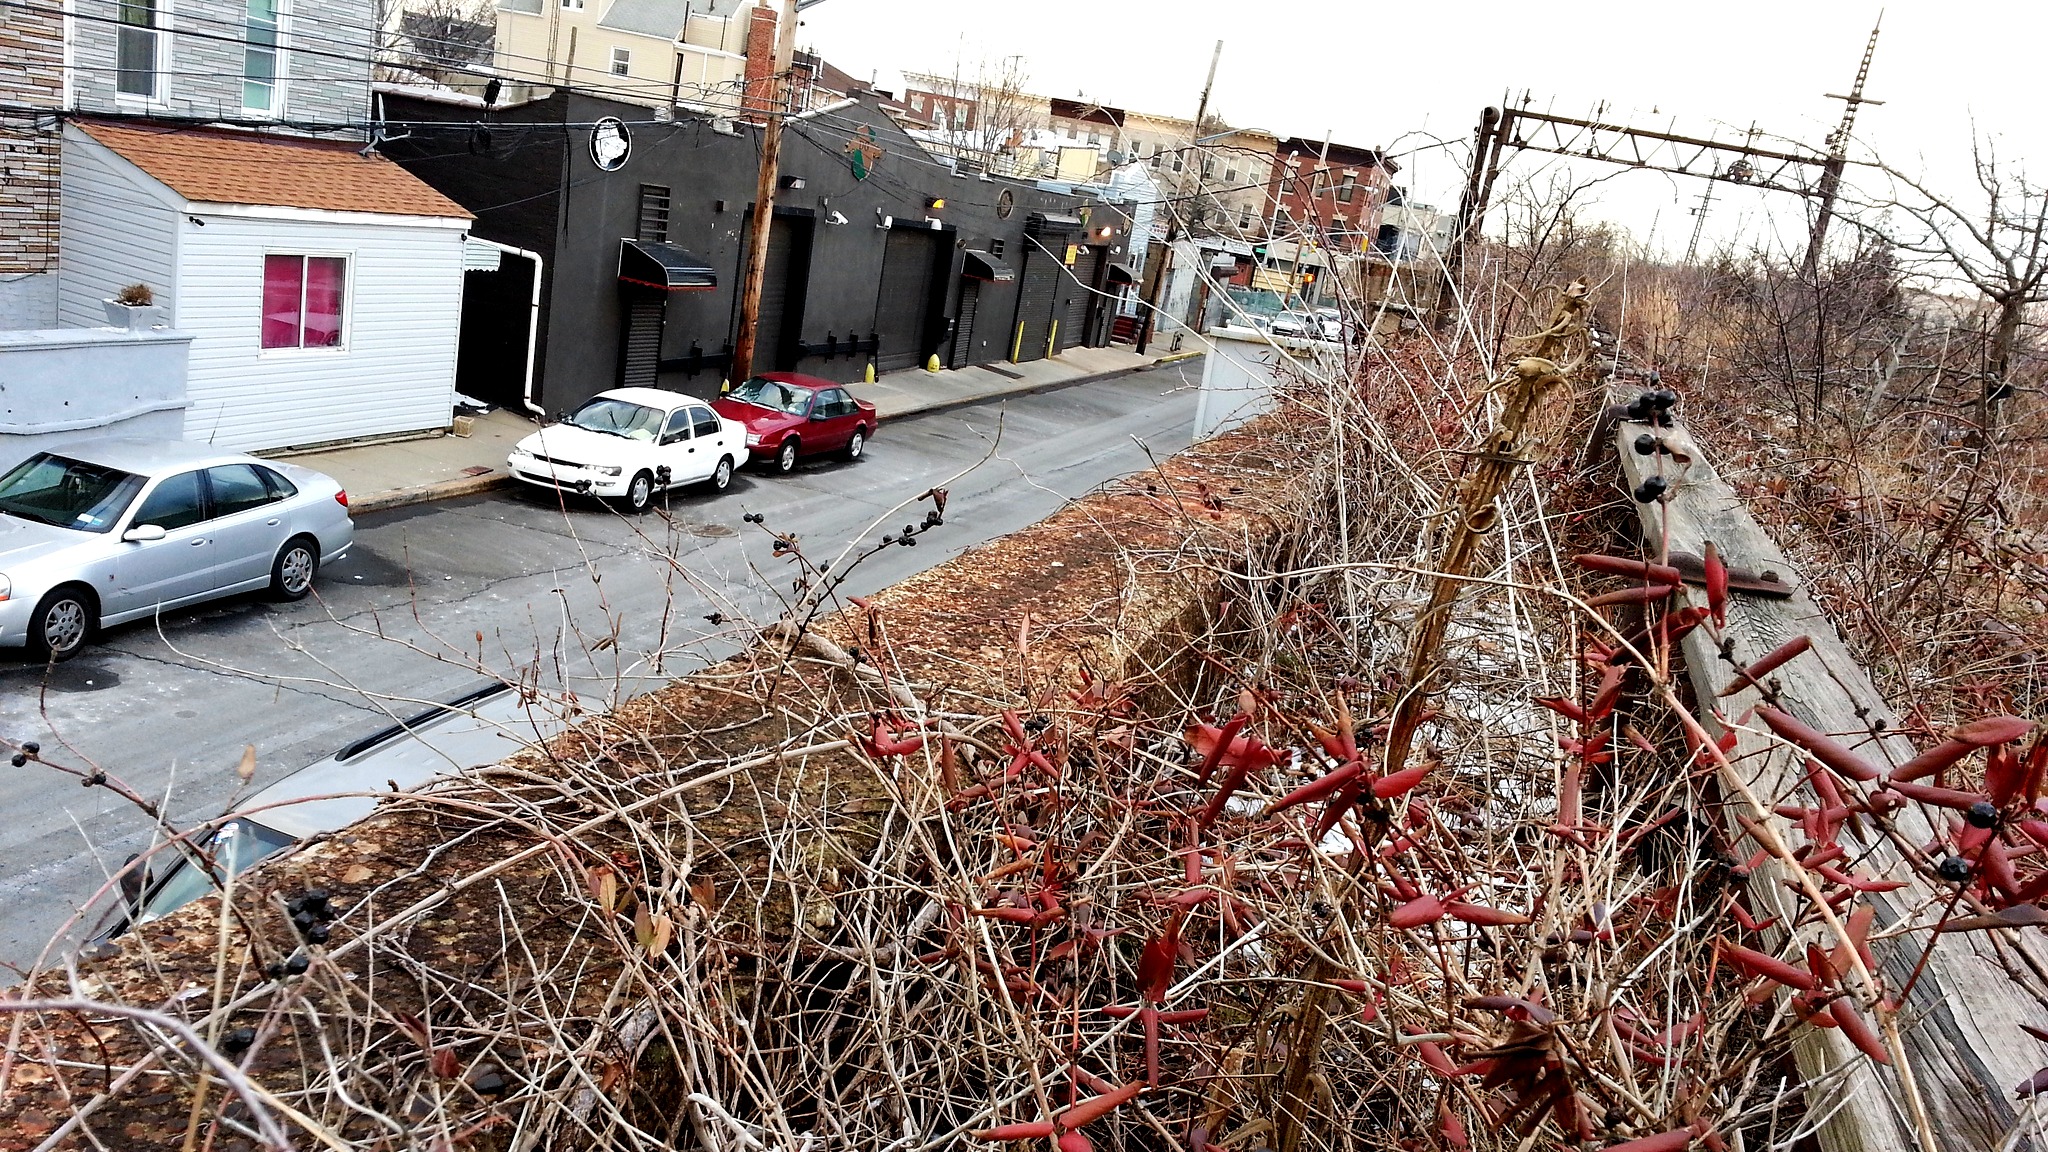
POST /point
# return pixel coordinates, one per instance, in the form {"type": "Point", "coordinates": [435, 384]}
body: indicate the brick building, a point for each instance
{"type": "Point", "coordinates": [32, 43]}
{"type": "Point", "coordinates": [1329, 195]}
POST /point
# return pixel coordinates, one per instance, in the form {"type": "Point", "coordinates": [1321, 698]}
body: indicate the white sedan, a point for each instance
{"type": "Point", "coordinates": [629, 443]}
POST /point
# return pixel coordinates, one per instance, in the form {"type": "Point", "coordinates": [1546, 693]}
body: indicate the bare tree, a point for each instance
{"type": "Point", "coordinates": [1999, 249]}
{"type": "Point", "coordinates": [1005, 113]}
{"type": "Point", "coordinates": [440, 39]}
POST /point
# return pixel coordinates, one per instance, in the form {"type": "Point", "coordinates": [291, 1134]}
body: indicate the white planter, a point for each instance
{"type": "Point", "coordinates": [134, 317]}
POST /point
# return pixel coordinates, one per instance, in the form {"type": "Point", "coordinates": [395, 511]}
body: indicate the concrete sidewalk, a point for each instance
{"type": "Point", "coordinates": [440, 467]}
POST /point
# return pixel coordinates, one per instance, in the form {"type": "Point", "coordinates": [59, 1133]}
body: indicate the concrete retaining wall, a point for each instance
{"type": "Point", "coordinates": [59, 384]}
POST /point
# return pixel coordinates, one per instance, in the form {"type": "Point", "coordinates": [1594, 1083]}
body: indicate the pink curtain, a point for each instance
{"type": "Point", "coordinates": [326, 279]}
{"type": "Point", "coordinates": [282, 291]}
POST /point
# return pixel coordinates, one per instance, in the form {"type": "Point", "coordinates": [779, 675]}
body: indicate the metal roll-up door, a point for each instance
{"type": "Point", "coordinates": [1037, 294]}
{"type": "Point", "coordinates": [771, 351]}
{"type": "Point", "coordinates": [1080, 299]}
{"type": "Point", "coordinates": [903, 311]}
{"type": "Point", "coordinates": [640, 350]}
{"type": "Point", "coordinates": [963, 330]}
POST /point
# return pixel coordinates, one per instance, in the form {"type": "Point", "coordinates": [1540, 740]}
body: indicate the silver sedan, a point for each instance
{"type": "Point", "coordinates": [100, 532]}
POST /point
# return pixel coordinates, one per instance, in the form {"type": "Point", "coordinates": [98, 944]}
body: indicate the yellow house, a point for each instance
{"type": "Point", "coordinates": [662, 53]}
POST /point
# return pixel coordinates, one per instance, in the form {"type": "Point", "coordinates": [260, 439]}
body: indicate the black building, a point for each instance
{"type": "Point", "coordinates": [878, 252]}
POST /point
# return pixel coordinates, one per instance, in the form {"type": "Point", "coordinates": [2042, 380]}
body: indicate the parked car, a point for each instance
{"type": "Point", "coordinates": [1319, 324]}
{"type": "Point", "coordinates": [630, 443]}
{"type": "Point", "coordinates": [476, 729]}
{"type": "Point", "coordinates": [789, 415]}
{"type": "Point", "coordinates": [104, 531]}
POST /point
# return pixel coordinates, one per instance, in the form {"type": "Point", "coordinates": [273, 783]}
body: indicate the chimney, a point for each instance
{"type": "Point", "coordinates": [760, 57]}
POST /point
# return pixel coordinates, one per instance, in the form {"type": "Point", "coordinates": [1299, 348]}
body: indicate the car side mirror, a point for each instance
{"type": "Point", "coordinates": [143, 533]}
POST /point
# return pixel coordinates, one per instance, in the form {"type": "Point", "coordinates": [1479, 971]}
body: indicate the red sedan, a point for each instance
{"type": "Point", "coordinates": [789, 415]}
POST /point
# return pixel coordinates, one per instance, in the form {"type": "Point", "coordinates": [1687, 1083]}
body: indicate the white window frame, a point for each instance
{"type": "Point", "coordinates": [161, 63]}
{"type": "Point", "coordinates": [348, 302]}
{"type": "Point", "coordinates": [573, 5]}
{"type": "Point", "coordinates": [622, 61]}
{"type": "Point", "coordinates": [277, 96]}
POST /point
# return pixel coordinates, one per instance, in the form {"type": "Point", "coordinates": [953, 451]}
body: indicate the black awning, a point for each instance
{"type": "Point", "coordinates": [1122, 273]}
{"type": "Point", "coordinates": [652, 264]}
{"type": "Point", "coordinates": [982, 266]}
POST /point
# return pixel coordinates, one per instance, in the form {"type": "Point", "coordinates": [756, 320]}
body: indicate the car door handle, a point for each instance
{"type": "Point", "coordinates": [273, 522]}
{"type": "Point", "coordinates": [198, 542]}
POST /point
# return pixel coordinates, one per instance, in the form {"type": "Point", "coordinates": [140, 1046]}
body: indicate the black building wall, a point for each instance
{"type": "Point", "coordinates": [529, 195]}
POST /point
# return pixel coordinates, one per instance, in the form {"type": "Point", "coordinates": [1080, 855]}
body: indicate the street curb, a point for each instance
{"type": "Point", "coordinates": [427, 493]}
{"type": "Point", "coordinates": [1036, 389]}
{"type": "Point", "coordinates": [1177, 357]}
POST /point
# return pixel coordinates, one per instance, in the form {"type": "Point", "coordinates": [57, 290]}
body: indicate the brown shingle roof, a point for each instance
{"type": "Point", "coordinates": [218, 166]}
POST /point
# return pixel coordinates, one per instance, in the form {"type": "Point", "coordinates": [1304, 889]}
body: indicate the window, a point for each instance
{"type": "Point", "coordinates": [622, 60]}
{"type": "Point", "coordinates": [677, 429]}
{"type": "Point", "coordinates": [1156, 153]}
{"type": "Point", "coordinates": [1095, 138]}
{"type": "Point", "coordinates": [238, 488]}
{"type": "Point", "coordinates": [573, 5]}
{"type": "Point", "coordinates": [1244, 219]}
{"type": "Point", "coordinates": [654, 213]}
{"type": "Point", "coordinates": [706, 422]}
{"type": "Point", "coordinates": [1178, 162]}
{"type": "Point", "coordinates": [259, 59]}
{"type": "Point", "coordinates": [916, 103]}
{"type": "Point", "coordinates": [995, 247]}
{"type": "Point", "coordinates": [1230, 175]}
{"type": "Point", "coordinates": [302, 301]}
{"type": "Point", "coordinates": [135, 49]}
{"type": "Point", "coordinates": [959, 115]}
{"type": "Point", "coordinates": [176, 503]}
{"type": "Point", "coordinates": [1348, 188]}
{"type": "Point", "coordinates": [1209, 167]}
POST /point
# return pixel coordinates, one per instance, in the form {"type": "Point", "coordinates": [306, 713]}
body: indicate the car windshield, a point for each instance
{"type": "Point", "coordinates": [774, 396]}
{"type": "Point", "coordinates": [619, 418]}
{"type": "Point", "coordinates": [238, 847]}
{"type": "Point", "coordinates": [68, 493]}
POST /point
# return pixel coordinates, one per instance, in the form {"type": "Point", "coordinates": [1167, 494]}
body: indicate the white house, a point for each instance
{"type": "Point", "coordinates": [322, 286]}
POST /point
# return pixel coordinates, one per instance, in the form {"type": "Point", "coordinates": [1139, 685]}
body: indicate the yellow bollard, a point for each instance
{"type": "Point", "coordinates": [870, 377]}
{"type": "Point", "coordinates": [724, 386]}
{"type": "Point", "coordinates": [932, 365]}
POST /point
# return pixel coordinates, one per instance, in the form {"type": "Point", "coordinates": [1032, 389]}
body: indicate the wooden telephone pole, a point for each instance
{"type": "Point", "coordinates": [765, 188]}
{"type": "Point", "coordinates": [1173, 217]}
{"type": "Point", "coordinates": [1838, 152]}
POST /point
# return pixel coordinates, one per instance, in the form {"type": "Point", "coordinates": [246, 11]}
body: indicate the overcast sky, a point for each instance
{"type": "Point", "coordinates": [1380, 74]}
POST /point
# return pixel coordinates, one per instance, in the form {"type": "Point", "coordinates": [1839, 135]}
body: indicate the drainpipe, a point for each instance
{"type": "Point", "coordinates": [532, 319]}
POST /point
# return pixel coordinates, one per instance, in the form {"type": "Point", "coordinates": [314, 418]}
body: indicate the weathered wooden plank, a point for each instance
{"type": "Point", "coordinates": [1961, 1023]}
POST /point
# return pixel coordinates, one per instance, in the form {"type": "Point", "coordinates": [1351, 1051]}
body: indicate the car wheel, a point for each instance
{"type": "Point", "coordinates": [858, 444]}
{"type": "Point", "coordinates": [785, 456]}
{"type": "Point", "coordinates": [62, 624]}
{"type": "Point", "coordinates": [291, 574]}
{"type": "Point", "coordinates": [640, 493]}
{"type": "Point", "coordinates": [721, 476]}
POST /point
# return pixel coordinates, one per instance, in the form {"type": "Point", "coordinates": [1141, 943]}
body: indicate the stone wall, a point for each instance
{"type": "Point", "coordinates": [32, 45]}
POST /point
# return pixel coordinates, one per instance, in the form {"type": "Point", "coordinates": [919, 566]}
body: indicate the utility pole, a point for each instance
{"type": "Point", "coordinates": [1699, 221]}
{"type": "Point", "coordinates": [1173, 218]}
{"type": "Point", "coordinates": [1838, 152]}
{"type": "Point", "coordinates": [764, 196]}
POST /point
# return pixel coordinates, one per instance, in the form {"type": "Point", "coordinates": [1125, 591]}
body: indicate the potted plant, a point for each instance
{"type": "Point", "coordinates": [134, 308]}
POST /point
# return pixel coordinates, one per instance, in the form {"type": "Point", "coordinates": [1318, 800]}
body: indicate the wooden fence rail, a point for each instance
{"type": "Point", "coordinates": [1960, 1028]}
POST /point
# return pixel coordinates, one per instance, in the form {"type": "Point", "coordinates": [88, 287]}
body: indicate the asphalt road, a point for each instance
{"type": "Point", "coordinates": [169, 710]}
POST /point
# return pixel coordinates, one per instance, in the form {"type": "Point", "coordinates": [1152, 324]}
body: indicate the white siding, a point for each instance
{"type": "Point", "coordinates": [402, 316]}
{"type": "Point", "coordinates": [118, 227]}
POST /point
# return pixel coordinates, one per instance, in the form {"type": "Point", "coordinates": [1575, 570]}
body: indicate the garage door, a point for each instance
{"type": "Point", "coordinates": [640, 347]}
{"type": "Point", "coordinates": [903, 310]}
{"type": "Point", "coordinates": [1036, 297]}
{"type": "Point", "coordinates": [1081, 298]}
{"type": "Point", "coordinates": [963, 330]}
